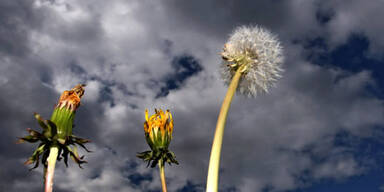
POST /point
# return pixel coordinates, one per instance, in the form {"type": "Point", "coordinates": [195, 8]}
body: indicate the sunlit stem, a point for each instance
{"type": "Point", "coordinates": [50, 171]}
{"type": "Point", "coordinates": [162, 176]}
{"type": "Point", "coordinates": [214, 161]}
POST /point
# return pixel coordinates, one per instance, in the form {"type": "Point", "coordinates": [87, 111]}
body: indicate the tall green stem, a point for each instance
{"type": "Point", "coordinates": [50, 171]}
{"type": "Point", "coordinates": [162, 176]}
{"type": "Point", "coordinates": [214, 161]}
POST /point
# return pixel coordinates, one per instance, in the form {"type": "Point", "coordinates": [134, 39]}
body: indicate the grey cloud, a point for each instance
{"type": "Point", "coordinates": [18, 102]}
{"type": "Point", "coordinates": [120, 45]}
{"type": "Point", "coordinates": [218, 18]}
{"type": "Point", "coordinates": [295, 120]}
{"type": "Point", "coordinates": [16, 19]}
{"type": "Point", "coordinates": [355, 17]}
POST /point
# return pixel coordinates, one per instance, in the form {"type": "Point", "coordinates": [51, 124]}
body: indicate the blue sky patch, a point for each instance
{"type": "Point", "coordinates": [351, 56]}
{"type": "Point", "coordinates": [369, 153]}
{"type": "Point", "coordinates": [191, 187]}
{"type": "Point", "coordinates": [184, 67]}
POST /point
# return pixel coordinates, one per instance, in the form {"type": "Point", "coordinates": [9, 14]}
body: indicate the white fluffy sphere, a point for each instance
{"type": "Point", "coordinates": [260, 50]}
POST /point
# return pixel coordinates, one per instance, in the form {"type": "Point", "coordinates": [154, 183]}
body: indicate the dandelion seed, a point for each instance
{"type": "Point", "coordinates": [260, 52]}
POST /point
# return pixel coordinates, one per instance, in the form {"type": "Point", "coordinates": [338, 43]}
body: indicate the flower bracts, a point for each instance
{"type": "Point", "coordinates": [158, 134]}
{"type": "Point", "coordinates": [58, 131]}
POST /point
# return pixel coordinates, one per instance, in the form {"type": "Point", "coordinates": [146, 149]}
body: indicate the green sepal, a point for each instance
{"type": "Point", "coordinates": [52, 129]}
{"type": "Point", "coordinates": [149, 141]}
{"type": "Point", "coordinates": [61, 141]}
{"type": "Point", "coordinates": [63, 118]}
{"type": "Point", "coordinates": [45, 156]}
{"type": "Point", "coordinates": [65, 156]}
{"type": "Point", "coordinates": [33, 137]}
{"type": "Point", "coordinates": [48, 138]}
{"type": "Point", "coordinates": [41, 122]}
{"type": "Point", "coordinates": [79, 141]}
{"type": "Point", "coordinates": [154, 157]}
{"type": "Point", "coordinates": [35, 156]}
{"type": "Point", "coordinates": [49, 128]}
{"type": "Point", "coordinates": [146, 156]}
{"type": "Point", "coordinates": [34, 133]}
{"type": "Point", "coordinates": [158, 141]}
{"type": "Point", "coordinates": [29, 138]}
{"type": "Point", "coordinates": [74, 156]}
{"type": "Point", "coordinates": [171, 158]}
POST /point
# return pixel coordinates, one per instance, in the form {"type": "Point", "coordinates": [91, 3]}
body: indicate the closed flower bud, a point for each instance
{"type": "Point", "coordinates": [158, 129]}
{"type": "Point", "coordinates": [158, 134]}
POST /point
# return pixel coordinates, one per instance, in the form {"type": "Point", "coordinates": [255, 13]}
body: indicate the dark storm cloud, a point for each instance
{"type": "Point", "coordinates": [23, 95]}
{"type": "Point", "coordinates": [17, 18]}
{"type": "Point", "coordinates": [123, 50]}
{"type": "Point", "coordinates": [21, 73]}
{"type": "Point", "coordinates": [221, 16]}
{"type": "Point", "coordinates": [218, 18]}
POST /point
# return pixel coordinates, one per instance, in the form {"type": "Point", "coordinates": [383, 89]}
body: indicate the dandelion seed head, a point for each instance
{"type": "Point", "coordinates": [261, 53]}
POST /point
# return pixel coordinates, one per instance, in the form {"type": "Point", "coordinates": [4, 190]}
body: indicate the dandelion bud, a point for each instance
{"type": "Point", "coordinates": [158, 134]}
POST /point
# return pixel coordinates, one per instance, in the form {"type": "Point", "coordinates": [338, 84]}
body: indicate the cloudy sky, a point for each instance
{"type": "Point", "coordinates": [320, 129]}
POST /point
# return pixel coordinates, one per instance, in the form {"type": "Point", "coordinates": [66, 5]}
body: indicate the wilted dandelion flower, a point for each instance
{"type": "Point", "coordinates": [56, 137]}
{"type": "Point", "coordinates": [259, 52]}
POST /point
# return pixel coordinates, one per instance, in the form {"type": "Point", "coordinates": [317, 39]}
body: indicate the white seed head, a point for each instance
{"type": "Point", "coordinates": [260, 51]}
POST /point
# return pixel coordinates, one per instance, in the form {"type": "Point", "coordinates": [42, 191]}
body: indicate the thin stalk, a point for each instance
{"type": "Point", "coordinates": [50, 171]}
{"type": "Point", "coordinates": [162, 176]}
{"type": "Point", "coordinates": [214, 161]}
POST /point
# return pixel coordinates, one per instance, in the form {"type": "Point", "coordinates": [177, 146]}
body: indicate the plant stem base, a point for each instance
{"type": "Point", "coordinates": [162, 177]}
{"type": "Point", "coordinates": [214, 161]}
{"type": "Point", "coordinates": [50, 171]}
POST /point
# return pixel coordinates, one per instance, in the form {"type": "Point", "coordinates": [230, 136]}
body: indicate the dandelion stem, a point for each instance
{"type": "Point", "coordinates": [162, 176]}
{"type": "Point", "coordinates": [50, 171]}
{"type": "Point", "coordinates": [214, 161]}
